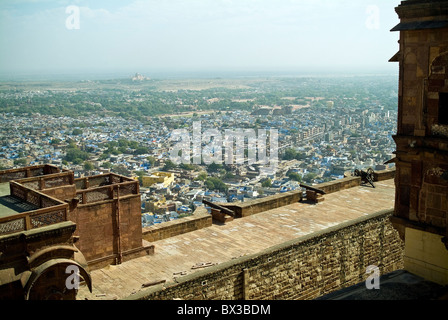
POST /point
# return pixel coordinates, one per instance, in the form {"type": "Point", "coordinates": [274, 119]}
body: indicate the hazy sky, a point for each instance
{"type": "Point", "coordinates": [197, 35]}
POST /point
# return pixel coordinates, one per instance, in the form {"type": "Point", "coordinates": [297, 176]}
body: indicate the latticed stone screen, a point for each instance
{"type": "Point", "coordinates": [127, 189]}
{"type": "Point", "coordinates": [13, 175]}
{"type": "Point", "coordinates": [12, 226]}
{"type": "Point", "coordinates": [48, 218]}
{"type": "Point", "coordinates": [33, 198]}
{"type": "Point", "coordinates": [80, 184]}
{"type": "Point", "coordinates": [92, 182]}
{"type": "Point", "coordinates": [115, 179]}
{"type": "Point", "coordinates": [108, 192]}
{"type": "Point", "coordinates": [99, 181]}
{"type": "Point", "coordinates": [36, 172]}
{"type": "Point", "coordinates": [57, 182]}
{"type": "Point", "coordinates": [99, 194]}
{"type": "Point", "coordinates": [47, 202]}
{"type": "Point", "coordinates": [18, 191]}
{"type": "Point", "coordinates": [31, 184]}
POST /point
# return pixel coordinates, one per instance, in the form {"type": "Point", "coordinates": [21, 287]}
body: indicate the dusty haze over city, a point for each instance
{"type": "Point", "coordinates": [110, 39]}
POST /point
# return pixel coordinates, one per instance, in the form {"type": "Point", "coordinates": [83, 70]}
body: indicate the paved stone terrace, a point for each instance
{"type": "Point", "coordinates": [11, 205]}
{"type": "Point", "coordinates": [244, 236]}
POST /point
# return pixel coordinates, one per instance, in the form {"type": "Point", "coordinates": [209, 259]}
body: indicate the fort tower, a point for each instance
{"type": "Point", "coordinates": [421, 204]}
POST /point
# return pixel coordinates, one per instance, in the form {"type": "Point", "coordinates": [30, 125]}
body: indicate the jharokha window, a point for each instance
{"type": "Point", "coordinates": [443, 108]}
{"type": "Point", "coordinates": [440, 125]}
{"type": "Point", "coordinates": [437, 103]}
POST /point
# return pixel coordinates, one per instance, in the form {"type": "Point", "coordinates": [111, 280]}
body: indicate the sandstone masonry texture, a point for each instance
{"type": "Point", "coordinates": [304, 268]}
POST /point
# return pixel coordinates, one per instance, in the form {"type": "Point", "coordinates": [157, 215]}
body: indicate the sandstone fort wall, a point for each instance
{"type": "Point", "coordinates": [304, 268]}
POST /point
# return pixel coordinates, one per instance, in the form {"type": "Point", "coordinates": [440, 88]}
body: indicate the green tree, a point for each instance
{"type": "Point", "coordinates": [122, 149]}
{"type": "Point", "coordinates": [20, 162]}
{"type": "Point", "coordinates": [134, 145]}
{"type": "Point", "coordinates": [55, 141]}
{"type": "Point", "coordinates": [266, 183]}
{"type": "Point", "coordinates": [77, 161]}
{"type": "Point", "coordinates": [88, 166]}
{"type": "Point", "coordinates": [107, 165]}
{"type": "Point", "coordinates": [291, 154]}
{"type": "Point", "coordinates": [202, 176]}
{"type": "Point", "coordinates": [72, 145]}
{"type": "Point", "coordinates": [122, 170]}
{"type": "Point", "coordinates": [140, 175]}
{"type": "Point", "coordinates": [228, 175]}
{"type": "Point", "coordinates": [213, 183]}
{"type": "Point", "coordinates": [73, 154]}
{"type": "Point", "coordinates": [115, 151]}
{"type": "Point", "coordinates": [214, 167]}
{"type": "Point", "coordinates": [76, 132]}
{"type": "Point", "coordinates": [309, 177]}
{"type": "Point", "coordinates": [123, 143]}
{"type": "Point", "coordinates": [169, 165]}
{"type": "Point", "coordinates": [141, 150]}
{"type": "Point", "coordinates": [104, 156]}
{"type": "Point", "coordinates": [188, 166]}
{"type": "Point", "coordinates": [151, 160]}
{"type": "Point", "coordinates": [295, 176]}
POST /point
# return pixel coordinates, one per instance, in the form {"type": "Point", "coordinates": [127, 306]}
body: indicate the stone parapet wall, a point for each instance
{"type": "Point", "coordinates": [27, 172]}
{"type": "Point", "coordinates": [251, 207]}
{"type": "Point", "coordinates": [43, 210]}
{"type": "Point", "coordinates": [248, 208]}
{"type": "Point", "coordinates": [304, 268]}
{"type": "Point", "coordinates": [384, 174]}
{"type": "Point", "coordinates": [97, 227]}
{"type": "Point", "coordinates": [200, 219]}
{"type": "Point", "coordinates": [339, 184]}
{"type": "Point", "coordinates": [48, 181]}
{"type": "Point", "coordinates": [62, 193]}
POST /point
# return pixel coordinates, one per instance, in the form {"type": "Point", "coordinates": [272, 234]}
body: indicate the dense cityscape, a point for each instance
{"type": "Point", "coordinates": [327, 128]}
{"type": "Point", "coordinates": [238, 151]}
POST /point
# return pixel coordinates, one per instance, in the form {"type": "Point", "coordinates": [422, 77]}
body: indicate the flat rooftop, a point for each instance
{"type": "Point", "coordinates": [243, 236]}
{"type": "Point", "coordinates": [11, 205]}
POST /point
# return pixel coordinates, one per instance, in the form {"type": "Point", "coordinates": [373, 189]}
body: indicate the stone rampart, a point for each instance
{"type": "Point", "coordinates": [200, 219]}
{"type": "Point", "coordinates": [304, 268]}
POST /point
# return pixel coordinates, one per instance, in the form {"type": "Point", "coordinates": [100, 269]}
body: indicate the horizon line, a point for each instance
{"type": "Point", "coordinates": [173, 74]}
